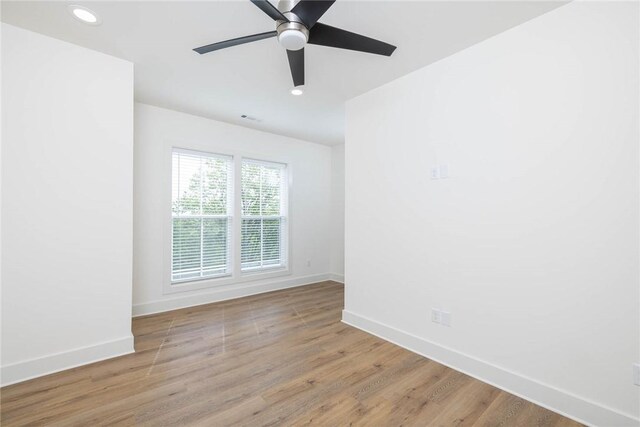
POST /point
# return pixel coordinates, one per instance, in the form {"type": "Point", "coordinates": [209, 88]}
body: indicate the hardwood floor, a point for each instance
{"type": "Point", "coordinates": [282, 358]}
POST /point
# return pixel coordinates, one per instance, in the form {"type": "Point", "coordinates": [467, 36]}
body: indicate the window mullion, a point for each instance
{"type": "Point", "coordinates": [201, 221]}
{"type": "Point", "coordinates": [237, 209]}
{"type": "Point", "coordinates": [172, 222]}
{"type": "Point", "coordinates": [261, 220]}
{"type": "Point", "coordinates": [201, 247]}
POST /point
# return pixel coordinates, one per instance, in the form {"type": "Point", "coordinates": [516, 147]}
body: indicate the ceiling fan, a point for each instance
{"type": "Point", "coordinates": [296, 25]}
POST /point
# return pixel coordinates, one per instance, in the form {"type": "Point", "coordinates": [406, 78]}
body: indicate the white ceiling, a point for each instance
{"type": "Point", "coordinates": [254, 79]}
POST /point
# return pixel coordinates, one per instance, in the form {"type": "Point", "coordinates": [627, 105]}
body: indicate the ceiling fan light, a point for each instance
{"type": "Point", "coordinates": [292, 39]}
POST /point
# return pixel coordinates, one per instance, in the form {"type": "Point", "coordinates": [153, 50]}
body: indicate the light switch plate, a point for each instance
{"type": "Point", "coordinates": [436, 315]}
{"type": "Point", "coordinates": [445, 318]}
{"type": "Point", "coordinates": [435, 172]}
{"type": "Point", "coordinates": [444, 171]}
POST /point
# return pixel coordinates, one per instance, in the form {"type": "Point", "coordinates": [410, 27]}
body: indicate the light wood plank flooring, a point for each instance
{"type": "Point", "coordinates": [282, 358]}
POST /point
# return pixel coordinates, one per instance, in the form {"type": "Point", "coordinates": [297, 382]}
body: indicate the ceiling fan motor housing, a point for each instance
{"type": "Point", "coordinates": [292, 35]}
{"type": "Point", "coordinates": [294, 20]}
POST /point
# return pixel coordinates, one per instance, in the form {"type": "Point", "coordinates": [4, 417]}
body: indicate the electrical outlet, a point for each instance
{"type": "Point", "coordinates": [636, 373]}
{"type": "Point", "coordinates": [436, 315]}
{"type": "Point", "coordinates": [445, 318]}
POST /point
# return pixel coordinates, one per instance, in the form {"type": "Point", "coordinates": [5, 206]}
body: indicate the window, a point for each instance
{"type": "Point", "coordinates": [263, 215]}
{"type": "Point", "coordinates": [201, 215]}
{"type": "Point", "coordinates": [228, 219]}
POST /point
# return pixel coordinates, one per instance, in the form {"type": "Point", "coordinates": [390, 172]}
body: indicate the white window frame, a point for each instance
{"type": "Point", "coordinates": [284, 217]}
{"type": "Point", "coordinates": [237, 276]}
{"type": "Point", "coordinates": [228, 216]}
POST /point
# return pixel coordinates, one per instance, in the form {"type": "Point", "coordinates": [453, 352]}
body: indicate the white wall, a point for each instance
{"type": "Point", "coordinates": [532, 243]}
{"type": "Point", "coordinates": [337, 213]}
{"type": "Point", "coordinates": [157, 130]}
{"type": "Point", "coordinates": [1, 136]}
{"type": "Point", "coordinates": [67, 171]}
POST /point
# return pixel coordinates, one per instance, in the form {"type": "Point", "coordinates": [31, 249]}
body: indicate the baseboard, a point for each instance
{"type": "Point", "coordinates": [33, 368]}
{"type": "Point", "coordinates": [560, 401]}
{"type": "Point", "coordinates": [223, 294]}
{"type": "Point", "coordinates": [336, 277]}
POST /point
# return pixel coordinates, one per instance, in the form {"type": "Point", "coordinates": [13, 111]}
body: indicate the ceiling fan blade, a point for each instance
{"type": "Point", "coordinates": [296, 63]}
{"type": "Point", "coordinates": [325, 35]}
{"type": "Point", "coordinates": [311, 10]}
{"type": "Point", "coordinates": [234, 42]}
{"type": "Point", "coordinates": [270, 10]}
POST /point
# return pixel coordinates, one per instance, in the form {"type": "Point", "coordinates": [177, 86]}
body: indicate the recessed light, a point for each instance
{"type": "Point", "coordinates": [84, 15]}
{"type": "Point", "coordinates": [297, 91]}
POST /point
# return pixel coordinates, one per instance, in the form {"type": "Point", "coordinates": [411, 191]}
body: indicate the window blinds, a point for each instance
{"type": "Point", "coordinates": [201, 215]}
{"type": "Point", "coordinates": [263, 215]}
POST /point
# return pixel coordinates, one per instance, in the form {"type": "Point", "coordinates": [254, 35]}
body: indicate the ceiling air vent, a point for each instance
{"type": "Point", "coordinates": [253, 119]}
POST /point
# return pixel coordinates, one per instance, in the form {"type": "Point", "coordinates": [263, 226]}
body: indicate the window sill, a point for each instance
{"type": "Point", "coordinates": [219, 281]}
{"type": "Point", "coordinates": [264, 273]}
{"type": "Point", "coordinates": [263, 270]}
{"type": "Point", "coordinates": [199, 279]}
